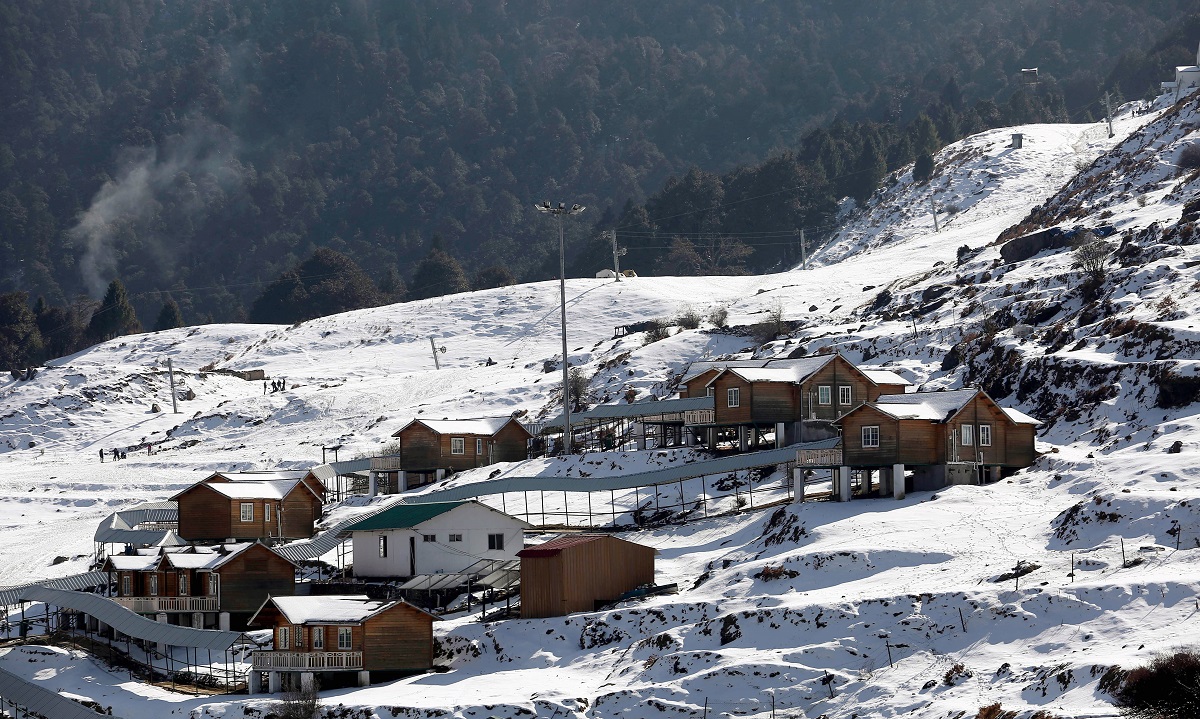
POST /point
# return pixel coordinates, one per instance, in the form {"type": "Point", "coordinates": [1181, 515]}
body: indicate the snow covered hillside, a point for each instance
{"type": "Point", "coordinates": [781, 607]}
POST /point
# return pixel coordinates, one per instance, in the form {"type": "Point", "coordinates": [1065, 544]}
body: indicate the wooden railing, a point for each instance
{"type": "Point", "coordinates": [306, 660]}
{"type": "Point", "coordinates": [150, 605]}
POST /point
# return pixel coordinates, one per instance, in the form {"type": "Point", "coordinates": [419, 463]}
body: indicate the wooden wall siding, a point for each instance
{"type": "Point", "coordinates": [203, 514]}
{"type": "Point", "coordinates": [300, 512]}
{"type": "Point", "coordinates": [249, 577]}
{"type": "Point", "coordinates": [885, 389]}
{"type": "Point", "coordinates": [249, 530]}
{"type": "Point", "coordinates": [419, 448]}
{"type": "Point", "coordinates": [979, 411]}
{"type": "Point", "coordinates": [580, 575]}
{"type": "Point", "coordinates": [511, 444]}
{"type": "Point", "coordinates": [1019, 445]}
{"type": "Point", "coordinates": [468, 459]}
{"type": "Point", "coordinates": [853, 452]}
{"type": "Point", "coordinates": [697, 386]}
{"type": "Point", "coordinates": [399, 639]}
{"type": "Point", "coordinates": [837, 373]}
{"type": "Point", "coordinates": [774, 402]}
{"type": "Point", "coordinates": [732, 415]}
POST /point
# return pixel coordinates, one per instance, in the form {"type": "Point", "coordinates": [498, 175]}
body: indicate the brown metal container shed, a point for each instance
{"type": "Point", "coordinates": [575, 572]}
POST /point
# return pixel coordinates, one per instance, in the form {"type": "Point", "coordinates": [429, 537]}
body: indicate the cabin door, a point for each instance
{"type": "Point", "coordinates": [412, 556]}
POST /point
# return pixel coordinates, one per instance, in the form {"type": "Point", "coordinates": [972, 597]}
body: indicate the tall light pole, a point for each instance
{"type": "Point", "coordinates": [558, 212]}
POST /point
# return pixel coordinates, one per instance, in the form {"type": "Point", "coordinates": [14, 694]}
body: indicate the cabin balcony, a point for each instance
{"type": "Point", "coordinates": [266, 660]}
{"type": "Point", "coordinates": [154, 605]}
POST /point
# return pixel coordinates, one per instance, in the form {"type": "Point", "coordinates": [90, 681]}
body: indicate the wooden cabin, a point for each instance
{"type": "Point", "coordinates": [339, 639]}
{"type": "Point", "coordinates": [429, 448]}
{"type": "Point", "coordinates": [433, 538]}
{"type": "Point", "coordinates": [250, 506]}
{"type": "Point", "coordinates": [695, 381]}
{"type": "Point", "coordinates": [203, 587]}
{"type": "Point", "coordinates": [576, 572]}
{"type": "Point", "coordinates": [796, 399]}
{"type": "Point", "coordinates": [927, 431]}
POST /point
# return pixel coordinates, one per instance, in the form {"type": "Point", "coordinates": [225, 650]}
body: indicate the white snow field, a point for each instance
{"type": "Point", "coordinates": [778, 608]}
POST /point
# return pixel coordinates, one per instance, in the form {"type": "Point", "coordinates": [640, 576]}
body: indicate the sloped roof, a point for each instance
{"type": "Point", "coordinates": [884, 376]}
{"type": "Point", "coordinates": [45, 702]}
{"type": "Point", "coordinates": [696, 369]}
{"type": "Point", "coordinates": [637, 409]}
{"type": "Point", "coordinates": [133, 562]}
{"type": "Point", "coordinates": [782, 370]}
{"type": "Point", "coordinates": [566, 541]}
{"type": "Point", "coordinates": [332, 609]}
{"type": "Point", "coordinates": [934, 406]}
{"type": "Point", "coordinates": [404, 516]}
{"type": "Point", "coordinates": [263, 476]}
{"type": "Point", "coordinates": [1020, 417]}
{"type": "Point", "coordinates": [485, 426]}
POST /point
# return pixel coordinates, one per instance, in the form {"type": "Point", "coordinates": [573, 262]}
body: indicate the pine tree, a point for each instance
{"type": "Point", "coordinates": [925, 135]}
{"type": "Point", "coordinates": [494, 276]}
{"type": "Point", "coordinates": [115, 316]}
{"type": "Point", "coordinates": [392, 285]}
{"type": "Point", "coordinates": [20, 339]}
{"type": "Point", "coordinates": [868, 171]}
{"type": "Point", "coordinates": [169, 317]}
{"type": "Point", "coordinates": [923, 167]}
{"type": "Point", "coordinates": [326, 283]}
{"type": "Point", "coordinates": [438, 274]}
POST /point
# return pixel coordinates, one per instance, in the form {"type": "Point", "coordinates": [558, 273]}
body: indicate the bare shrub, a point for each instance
{"type": "Point", "coordinates": [660, 330]}
{"type": "Point", "coordinates": [1091, 255]}
{"type": "Point", "coordinates": [579, 384]}
{"type": "Point", "coordinates": [689, 319]}
{"type": "Point", "coordinates": [1189, 157]}
{"type": "Point", "coordinates": [719, 316]}
{"type": "Point", "coordinates": [1169, 688]}
{"type": "Point", "coordinates": [304, 704]}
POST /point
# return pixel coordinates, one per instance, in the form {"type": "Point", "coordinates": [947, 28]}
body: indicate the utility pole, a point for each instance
{"type": "Point", "coordinates": [174, 401]}
{"type": "Point", "coordinates": [433, 348]}
{"type": "Point", "coordinates": [1108, 109]}
{"type": "Point", "coordinates": [933, 206]}
{"type": "Point", "coordinates": [616, 256]}
{"type": "Point", "coordinates": [803, 251]}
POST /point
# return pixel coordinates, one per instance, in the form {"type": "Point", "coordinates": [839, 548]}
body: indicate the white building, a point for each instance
{"type": "Point", "coordinates": [433, 538]}
{"type": "Point", "coordinates": [1187, 79]}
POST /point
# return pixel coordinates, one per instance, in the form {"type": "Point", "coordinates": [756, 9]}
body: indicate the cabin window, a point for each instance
{"type": "Point", "coordinates": [985, 435]}
{"type": "Point", "coordinates": [318, 637]}
{"type": "Point", "coordinates": [214, 583]}
{"type": "Point", "coordinates": [712, 392]}
{"type": "Point", "coordinates": [845, 394]}
{"type": "Point", "coordinates": [247, 514]}
{"type": "Point", "coordinates": [428, 537]}
{"type": "Point", "coordinates": [479, 447]}
{"type": "Point", "coordinates": [183, 584]}
{"type": "Point", "coordinates": [870, 436]}
{"type": "Point", "coordinates": [266, 511]}
{"type": "Point", "coordinates": [126, 585]}
{"type": "Point", "coordinates": [496, 542]}
{"type": "Point", "coordinates": [455, 537]}
{"type": "Point", "coordinates": [733, 397]}
{"type": "Point", "coordinates": [285, 637]}
{"type": "Point", "coordinates": [824, 394]}
{"type": "Point", "coordinates": [298, 635]}
{"type": "Point", "coordinates": [382, 546]}
{"type": "Point", "coordinates": [968, 435]}
{"type": "Point", "coordinates": [458, 445]}
{"type": "Point", "coordinates": [152, 585]}
{"type": "Point", "coordinates": [345, 638]}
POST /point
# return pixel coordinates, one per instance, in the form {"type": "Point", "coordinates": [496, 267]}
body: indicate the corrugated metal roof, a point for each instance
{"type": "Point", "coordinates": [35, 698]}
{"type": "Point", "coordinates": [117, 528]}
{"type": "Point", "coordinates": [134, 625]}
{"type": "Point", "coordinates": [667, 475]}
{"type": "Point", "coordinates": [638, 409]}
{"type": "Point", "coordinates": [87, 580]}
{"type": "Point", "coordinates": [403, 516]}
{"type": "Point", "coordinates": [556, 545]}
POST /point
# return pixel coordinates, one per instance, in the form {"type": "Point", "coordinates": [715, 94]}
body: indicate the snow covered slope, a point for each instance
{"type": "Point", "coordinates": [773, 602]}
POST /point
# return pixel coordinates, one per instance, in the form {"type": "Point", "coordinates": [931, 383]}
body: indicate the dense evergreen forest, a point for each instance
{"type": "Point", "coordinates": [201, 151]}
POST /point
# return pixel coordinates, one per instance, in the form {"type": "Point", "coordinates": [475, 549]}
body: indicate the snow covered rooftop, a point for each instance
{"type": "Point", "coordinates": [884, 376]}
{"type": "Point", "coordinates": [332, 609]}
{"type": "Point", "coordinates": [933, 406]}
{"type": "Point", "coordinates": [272, 489]}
{"type": "Point", "coordinates": [483, 425]}
{"type": "Point", "coordinates": [783, 370]}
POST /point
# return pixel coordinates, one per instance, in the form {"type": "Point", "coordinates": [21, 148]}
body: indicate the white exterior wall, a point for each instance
{"type": "Point", "coordinates": [472, 521]}
{"type": "Point", "coordinates": [1187, 79]}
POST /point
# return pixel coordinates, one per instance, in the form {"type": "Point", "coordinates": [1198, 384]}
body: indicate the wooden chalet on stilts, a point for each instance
{"type": "Point", "coordinates": [251, 505]}
{"type": "Point", "coordinates": [431, 448]}
{"type": "Point", "coordinates": [339, 640]}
